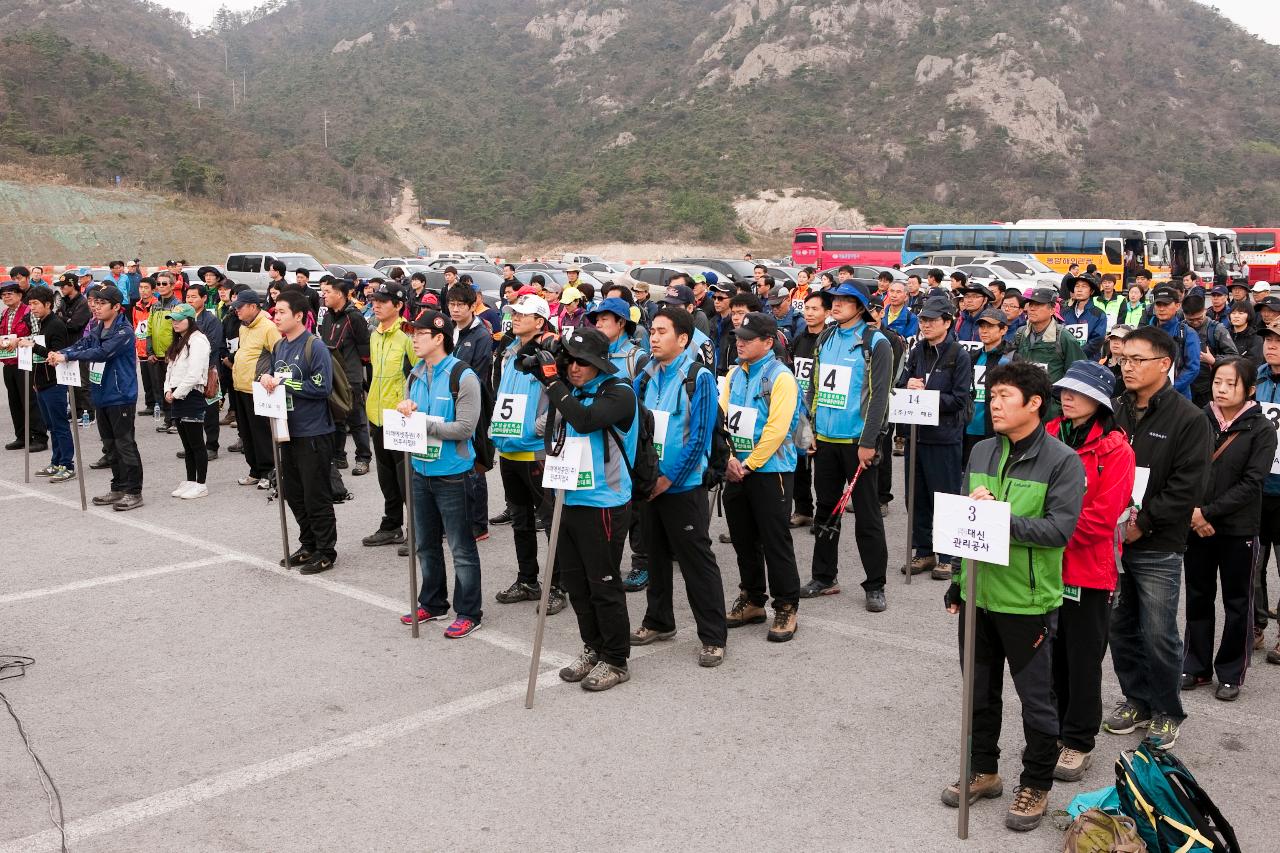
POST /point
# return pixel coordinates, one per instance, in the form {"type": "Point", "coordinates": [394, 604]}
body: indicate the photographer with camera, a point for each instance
{"type": "Point", "coordinates": [594, 420]}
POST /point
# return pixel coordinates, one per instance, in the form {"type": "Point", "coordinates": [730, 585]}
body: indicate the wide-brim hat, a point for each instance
{"type": "Point", "coordinates": [589, 345]}
{"type": "Point", "coordinates": [1090, 379]}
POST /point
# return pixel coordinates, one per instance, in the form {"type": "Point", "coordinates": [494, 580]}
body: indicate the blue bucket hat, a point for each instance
{"type": "Point", "coordinates": [1092, 380]}
{"type": "Point", "coordinates": [857, 291]}
{"type": "Point", "coordinates": [617, 306]}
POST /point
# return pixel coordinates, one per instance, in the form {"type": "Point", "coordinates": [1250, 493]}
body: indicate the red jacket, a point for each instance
{"type": "Point", "coordinates": [14, 322]}
{"type": "Point", "coordinates": [1091, 555]}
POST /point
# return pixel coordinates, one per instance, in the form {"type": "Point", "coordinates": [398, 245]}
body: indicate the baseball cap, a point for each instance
{"type": "Point", "coordinates": [1261, 287]}
{"type": "Point", "coordinates": [388, 290]}
{"type": "Point", "coordinates": [755, 325]}
{"type": "Point", "coordinates": [246, 297]}
{"type": "Point", "coordinates": [1043, 295]}
{"type": "Point", "coordinates": [678, 294]}
{"type": "Point", "coordinates": [533, 304]}
{"type": "Point", "coordinates": [1272, 328]}
{"type": "Point", "coordinates": [991, 315]}
{"type": "Point", "coordinates": [84, 271]}
{"type": "Point", "coordinates": [1218, 290]}
{"type": "Point", "coordinates": [570, 294]}
{"type": "Point", "coordinates": [589, 345]}
{"type": "Point", "coordinates": [430, 318]}
{"type": "Point", "coordinates": [1120, 332]}
{"type": "Point", "coordinates": [979, 288]}
{"type": "Point", "coordinates": [779, 295]}
{"type": "Point", "coordinates": [181, 312]}
{"type": "Point", "coordinates": [1165, 293]}
{"type": "Point", "coordinates": [1272, 302]}
{"type": "Point", "coordinates": [111, 293]}
{"type": "Point", "coordinates": [937, 306]}
{"type": "Point", "coordinates": [719, 287]}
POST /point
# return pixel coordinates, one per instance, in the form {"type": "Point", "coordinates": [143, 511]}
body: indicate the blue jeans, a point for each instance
{"type": "Point", "coordinates": [52, 402]}
{"type": "Point", "coordinates": [477, 501]}
{"type": "Point", "coordinates": [441, 511]}
{"type": "Point", "coordinates": [1146, 645]}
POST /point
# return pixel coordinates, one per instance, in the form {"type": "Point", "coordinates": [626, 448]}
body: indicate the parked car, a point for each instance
{"type": "Point", "coordinates": [362, 271]}
{"type": "Point", "coordinates": [872, 274]}
{"type": "Point", "coordinates": [571, 258]}
{"type": "Point", "coordinates": [251, 267]}
{"type": "Point", "coordinates": [784, 275]}
{"type": "Point", "coordinates": [605, 269]}
{"type": "Point", "coordinates": [736, 270]}
{"type": "Point", "coordinates": [388, 263]}
{"type": "Point", "coordinates": [657, 275]}
{"type": "Point", "coordinates": [559, 277]}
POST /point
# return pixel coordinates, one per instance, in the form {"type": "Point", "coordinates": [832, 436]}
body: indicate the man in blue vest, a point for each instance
{"type": "Point", "coordinates": [591, 434]}
{"type": "Point", "coordinates": [849, 404]}
{"type": "Point", "coordinates": [1165, 314]}
{"type": "Point", "coordinates": [681, 393]}
{"type": "Point", "coordinates": [761, 402]}
{"type": "Point", "coordinates": [439, 489]}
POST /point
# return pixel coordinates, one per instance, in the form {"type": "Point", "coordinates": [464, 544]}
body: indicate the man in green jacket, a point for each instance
{"type": "Point", "coordinates": [1044, 341]}
{"type": "Point", "coordinates": [159, 339]}
{"type": "Point", "coordinates": [1017, 605]}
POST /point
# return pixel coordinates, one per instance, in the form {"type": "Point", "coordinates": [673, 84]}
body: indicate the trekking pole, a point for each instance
{"type": "Point", "coordinates": [966, 705]}
{"type": "Point", "coordinates": [75, 445]}
{"type": "Point", "coordinates": [413, 552]}
{"type": "Point", "coordinates": [546, 592]}
{"type": "Point", "coordinates": [26, 426]}
{"type": "Point", "coordinates": [275, 459]}
{"type": "Point", "coordinates": [911, 497]}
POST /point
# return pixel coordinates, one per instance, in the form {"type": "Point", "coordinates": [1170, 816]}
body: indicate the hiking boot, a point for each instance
{"type": "Point", "coordinates": [341, 464]}
{"type": "Point", "coordinates": [1191, 682]}
{"type": "Point", "coordinates": [556, 601]}
{"type": "Point", "coordinates": [711, 656]}
{"type": "Point", "coordinates": [299, 557]}
{"type": "Point", "coordinates": [923, 563]}
{"type": "Point", "coordinates": [643, 636]}
{"type": "Point", "coordinates": [109, 499]}
{"type": "Point", "coordinates": [581, 666]}
{"type": "Point", "coordinates": [1259, 639]}
{"type": "Point", "coordinates": [1071, 764]}
{"type": "Point", "coordinates": [229, 418]}
{"type": "Point", "coordinates": [62, 475]}
{"type": "Point", "coordinates": [1163, 734]}
{"type": "Point", "coordinates": [237, 447]}
{"type": "Point", "coordinates": [518, 592]}
{"type": "Point", "coordinates": [213, 454]}
{"type": "Point", "coordinates": [316, 565]}
{"type": "Point", "coordinates": [16, 444]}
{"type": "Point", "coordinates": [127, 503]}
{"type": "Point", "coordinates": [461, 627]}
{"type": "Point", "coordinates": [784, 624]}
{"type": "Point", "coordinates": [604, 676]}
{"type": "Point", "coordinates": [815, 588]}
{"type": "Point", "coordinates": [1028, 808]}
{"type": "Point", "coordinates": [726, 539]}
{"type": "Point", "coordinates": [876, 602]}
{"type": "Point", "coordinates": [899, 446]}
{"type": "Point", "coordinates": [100, 464]}
{"type": "Point", "coordinates": [503, 517]}
{"type": "Point", "coordinates": [1125, 718]}
{"type": "Point", "coordinates": [636, 580]}
{"type": "Point", "coordinates": [1227, 692]}
{"type": "Point", "coordinates": [1273, 656]}
{"type": "Point", "coordinates": [383, 537]}
{"type": "Point", "coordinates": [362, 468]}
{"type": "Point", "coordinates": [944, 572]}
{"type": "Point", "coordinates": [798, 520]}
{"type": "Point", "coordinates": [743, 612]}
{"type": "Point", "coordinates": [402, 551]}
{"type": "Point", "coordinates": [47, 471]}
{"type": "Point", "coordinates": [988, 785]}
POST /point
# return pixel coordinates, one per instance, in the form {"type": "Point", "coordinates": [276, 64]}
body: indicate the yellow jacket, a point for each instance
{"type": "Point", "coordinates": [254, 338]}
{"type": "Point", "coordinates": [390, 350]}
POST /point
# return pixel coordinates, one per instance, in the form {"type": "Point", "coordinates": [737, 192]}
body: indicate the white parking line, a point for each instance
{"type": "Point", "coordinates": [11, 497]}
{"type": "Point", "coordinates": [110, 579]}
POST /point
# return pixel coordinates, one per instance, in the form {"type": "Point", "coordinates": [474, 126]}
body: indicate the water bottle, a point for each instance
{"type": "Point", "coordinates": [157, 415]}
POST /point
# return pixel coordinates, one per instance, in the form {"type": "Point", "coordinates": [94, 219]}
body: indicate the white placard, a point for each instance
{"type": "Point", "coordinates": [68, 373]}
{"type": "Point", "coordinates": [270, 405]}
{"type": "Point", "coordinates": [24, 358]}
{"type": "Point", "coordinates": [803, 369]}
{"type": "Point", "coordinates": [833, 385]}
{"type": "Point", "coordinates": [508, 415]}
{"type": "Point", "coordinates": [977, 530]}
{"type": "Point", "coordinates": [1272, 413]}
{"type": "Point", "coordinates": [1140, 477]}
{"type": "Point", "coordinates": [914, 407]}
{"type": "Point", "coordinates": [571, 470]}
{"type": "Point", "coordinates": [979, 383]}
{"type": "Point", "coordinates": [406, 435]}
{"type": "Point", "coordinates": [661, 420]}
{"type": "Point", "coordinates": [974, 347]}
{"type": "Point", "coordinates": [1079, 331]}
{"type": "Point", "coordinates": [741, 424]}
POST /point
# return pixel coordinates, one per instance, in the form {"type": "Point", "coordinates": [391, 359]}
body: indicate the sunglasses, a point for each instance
{"type": "Point", "coordinates": [581, 362]}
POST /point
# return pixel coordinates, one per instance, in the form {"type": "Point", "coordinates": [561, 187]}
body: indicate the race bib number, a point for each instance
{"type": "Point", "coordinates": [804, 370]}
{"type": "Point", "coordinates": [972, 346]}
{"type": "Point", "coordinates": [233, 345]}
{"type": "Point", "coordinates": [979, 383]}
{"type": "Point", "coordinates": [833, 386]}
{"type": "Point", "coordinates": [39, 341]}
{"type": "Point", "coordinates": [1071, 593]}
{"type": "Point", "coordinates": [1079, 331]}
{"type": "Point", "coordinates": [571, 469]}
{"type": "Point", "coordinates": [140, 330]}
{"type": "Point", "coordinates": [661, 420]}
{"type": "Point", "coordinates": [431, 446]}
{"type": "Point", "coordinates": [1272, 413]}
{"type": "Point", "coordinates": [95, 371]}
{"type": "Point", "coordinates": [741, 424]}
{"type": "Point", "coordinates": [1141, 476]}
{"type": "Point", "coordinates": [8, 346]}
{"type": "Point", "coordinates": [269, 404]}
{"type": "Point", "coordinates": [508, 415]}
{"type": "Point", "coordinates": [976, 530]}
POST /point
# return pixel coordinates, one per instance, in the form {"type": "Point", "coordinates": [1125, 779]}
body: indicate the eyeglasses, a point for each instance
{"type": "Point", "coordinates": [1137, 360]}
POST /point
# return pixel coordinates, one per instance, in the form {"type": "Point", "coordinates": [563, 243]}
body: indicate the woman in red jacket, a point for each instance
{"type": "Point", "coordinates": [1089, 564]}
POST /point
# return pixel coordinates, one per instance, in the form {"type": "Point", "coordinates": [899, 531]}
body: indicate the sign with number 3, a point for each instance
{"type": "Point", "coordinates": [977, 530]}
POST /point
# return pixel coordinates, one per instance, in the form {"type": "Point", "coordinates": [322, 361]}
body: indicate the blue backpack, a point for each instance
{"type": "Point", "coordinates": [1172, 812]}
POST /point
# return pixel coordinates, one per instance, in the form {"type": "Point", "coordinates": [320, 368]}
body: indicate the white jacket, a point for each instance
{"type": "Point", "coordinates": [191, 370]}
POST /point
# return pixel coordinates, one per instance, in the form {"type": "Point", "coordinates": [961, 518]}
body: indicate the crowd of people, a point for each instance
{"type": "Point", "coordinates": [1132, 431]}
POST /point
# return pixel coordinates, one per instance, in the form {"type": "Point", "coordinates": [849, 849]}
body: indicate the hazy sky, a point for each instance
{"type": "Point", "coordinates": [1261, 17]}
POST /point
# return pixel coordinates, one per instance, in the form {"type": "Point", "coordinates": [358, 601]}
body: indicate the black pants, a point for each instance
{"type": "Point", "coordinates": [677, 528]}
{"type": "Point", "coordinates": [1027, 643]}
{"type": "Point", "coordinates": [115, 426]}
{"type": "Point", "coordinates": [390, 466]}
{"type": "Point", "coordinates": [589, 558]}
{"type": "Point", "coordinates": [1078, 650]}
{"type": "Point", "coordinates": [885, 472]}
{"type": "Point", "coordinates": [937, 468]}
{"type": "Point", "coordinates": [639, 534]}
{"type": "Point", "coordinates": [148, 387]}
{"type": "Point", "coordinates": [834, 465]}
{"type": "Point", "coordinates": [13, 382]}
{"type": "Point", "coordinates": [358, 426]}
{"type": "Point", "coordinates": [1269, 538]}
{"type": "Point", "coordinates": [157, 370]}
{"type": "Point", "coordinates": [803, 500]}
{"type": "Point", "coordinates": [212, 429]}
{"type": "Point", "coordinates": [255, 437]}
{"type": "Point", "coordinates": [1208, 559]}
{"type": "Point", "coordinates": [522, 484]}
{"type": "Point", "coordinates": [83, 398]}
{"type": "Point", "coordinates": [304, 471]}
{"type": "Point", "coordinates": [756, 510]}
{"type": "Point", "coordinates": [194, 452]}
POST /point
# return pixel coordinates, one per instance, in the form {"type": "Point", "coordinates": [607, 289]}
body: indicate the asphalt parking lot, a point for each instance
{"type": "Point", "coordinates": [189, 694]}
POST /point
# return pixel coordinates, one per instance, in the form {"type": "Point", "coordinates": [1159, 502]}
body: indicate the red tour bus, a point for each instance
{"type": "Point", "coordinates": [1260, 249]}
{"type": "Point", "coordinates": [823, 248]}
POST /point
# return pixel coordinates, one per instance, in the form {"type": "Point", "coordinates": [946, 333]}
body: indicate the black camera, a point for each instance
{"type": "Point", "coordinates": [529, 361]}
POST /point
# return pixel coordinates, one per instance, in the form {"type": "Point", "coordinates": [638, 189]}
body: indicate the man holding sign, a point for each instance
{"type": "Point", "coordinates": [1017, 605]}
{"type": "Point", "coordinates": [937, 363]}
{"type": "Point", "coordinates": [48, 332]}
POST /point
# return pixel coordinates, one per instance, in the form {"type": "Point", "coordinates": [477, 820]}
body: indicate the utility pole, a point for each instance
{"type": "Point", "coordinates": [244, 84]}
{"type": "Point", "coordinates": [198, 101]}
{"type": "Point", "coordinates": [326, 128]}
{"type": "Point", "coordinates": [226, 58]}
{"type": "Point", "coordinates": [233, 94]}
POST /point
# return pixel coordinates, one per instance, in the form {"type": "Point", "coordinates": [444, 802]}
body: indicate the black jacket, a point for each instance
{"type": "Point", "coordinates": [56, 338]}
{"type": "Point", "coordinates": [949, 371]}
{"type": "Point", "coordinates": [475, 349]}
{"type": "Point", "coordinates": [75, 313]}
{"type": "Point", "coordinates": [1249, 344]}
{"type": "Point", "coordinates": [1174, 441]}
{"type": "Point", "coordinates": [1233, 501]}
{"type": "Point", "coordinates": [346, 334]}
{"type": "Point", "coordinates": [230, 332]}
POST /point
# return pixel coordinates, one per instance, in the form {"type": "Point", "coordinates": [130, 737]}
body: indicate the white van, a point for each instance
{"type": "Point", "coordinates": [251, 267]}
{"type": "Point", "coordinates": [571, 258]}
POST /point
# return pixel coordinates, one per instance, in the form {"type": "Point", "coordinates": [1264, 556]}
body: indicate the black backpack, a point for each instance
{"type": "Point", "coordinates": [644, 470]}
{"type": "Point", "coordinates": [481, 443]}
{"type": "Point", "coordinates": [340, 397]}
{"type": "Point", "coordinates": [721, 444]}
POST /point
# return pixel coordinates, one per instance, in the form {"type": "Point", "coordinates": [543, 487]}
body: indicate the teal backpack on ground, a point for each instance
{"type": "Point", "coordinates": [1172, 812]}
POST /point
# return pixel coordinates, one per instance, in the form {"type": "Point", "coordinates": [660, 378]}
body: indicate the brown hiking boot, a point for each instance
{"type": "Point", "coordinates": [1259, 639]}
{"type": "Point", "coordinates": [1028, 808]}
{"type": "Point", "coordinates": [1071, 764]}
{"type": "Point", "coordinates": [923, 564]}
{"type": "Point", "coordinates": [988, 785]}
{"type": "Point", "coordinates": [942, 572]}
{"type": "Point", "coordinates": [603, 676]}
{"type": "Point", "coordinates": [784, 624]}
{"type": "Point", "coordinates": [744, 612]}
{"type": "Point", "coordinates": [1273, 656]}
